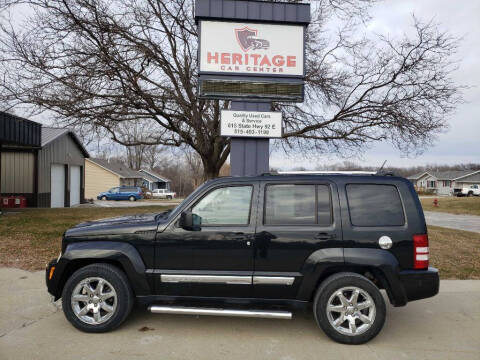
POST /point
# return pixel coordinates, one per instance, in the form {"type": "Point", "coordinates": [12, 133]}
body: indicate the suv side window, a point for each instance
{"type": "Point", "coordinates": [290, 204]}
{"type": "Point", "coordinates": [375, 205]}
{"type": "Point", "coordinates": [225, 206]}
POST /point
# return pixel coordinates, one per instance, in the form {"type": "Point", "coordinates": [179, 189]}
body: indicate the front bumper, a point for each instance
{"type": "Point", "coordinates": [52, 284]}
{"type": "Point", "coordinates": [420, 284]}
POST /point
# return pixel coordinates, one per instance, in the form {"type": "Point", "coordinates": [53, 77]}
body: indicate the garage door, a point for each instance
{"type": "Point", "coordinates": [74, 185]}
{"type": "Point", "coordinates": [57, 189]}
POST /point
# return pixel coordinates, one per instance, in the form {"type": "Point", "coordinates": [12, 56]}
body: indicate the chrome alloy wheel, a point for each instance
{"type": "Point", "coordinates": [351, 311]}
{"type": "Point", "coordinates": [94, 300]}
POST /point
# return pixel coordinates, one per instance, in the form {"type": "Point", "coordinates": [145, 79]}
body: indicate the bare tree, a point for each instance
{"type": "Point", "coordinates": [104, 64]}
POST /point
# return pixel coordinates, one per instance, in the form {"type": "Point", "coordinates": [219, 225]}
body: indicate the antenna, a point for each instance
{"type": "Point", "coordinates": [381, 167]}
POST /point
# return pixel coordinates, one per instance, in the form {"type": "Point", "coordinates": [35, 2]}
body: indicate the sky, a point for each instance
{"type": "Point", "coordinates": [461, 142]}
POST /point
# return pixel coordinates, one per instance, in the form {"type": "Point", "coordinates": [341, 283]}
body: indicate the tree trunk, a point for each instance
{"type": "Point", "coordinates": [211, 168]}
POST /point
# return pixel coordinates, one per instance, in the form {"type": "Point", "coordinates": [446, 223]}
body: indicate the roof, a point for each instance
{"type": "Point", "coordinates": [16, 131]}
{"type": "Point", "coordinates": [444, 175]}
{"type": "Point", "coordinates": [153, 176]}
{"type": "Point", "coordinates": [452, 174]}
{"type": "Point", "coordinates": [475, 177]}
{"type": "Point", "coordinates": [50, 134]}
{"type": "Point", "coordinates": [417, 175]}
{"type": "Point", "coordinates": [118, 168]}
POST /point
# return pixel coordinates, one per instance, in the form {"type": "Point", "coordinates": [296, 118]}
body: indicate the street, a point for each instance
{"type": "Point", "coordinates": [444, 327]}
{"type": "Point", "coordinates": [453, 221]}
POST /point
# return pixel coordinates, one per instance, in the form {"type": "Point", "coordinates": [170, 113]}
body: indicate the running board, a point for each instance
{"type": "Point", "coordinates": [159, 309]}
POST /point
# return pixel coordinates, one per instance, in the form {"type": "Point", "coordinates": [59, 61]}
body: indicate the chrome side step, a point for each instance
{"type": "Point", "coordinates": [274, 314]}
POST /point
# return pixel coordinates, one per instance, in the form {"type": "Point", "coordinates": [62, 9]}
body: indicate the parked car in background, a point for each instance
{"type": "Point", "coordinates": [163, 194]}
{"type": "Point", "coordinates": [472, 190]}
{"type": "Point", "coordinates": [132, 193]}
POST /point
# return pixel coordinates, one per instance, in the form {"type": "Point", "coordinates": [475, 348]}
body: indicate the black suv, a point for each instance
{"type": "Point", "coordinates": [255, 246]}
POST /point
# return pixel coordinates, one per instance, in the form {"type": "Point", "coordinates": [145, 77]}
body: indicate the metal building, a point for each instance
{"type": "Point", "coordinates": [43, 164]}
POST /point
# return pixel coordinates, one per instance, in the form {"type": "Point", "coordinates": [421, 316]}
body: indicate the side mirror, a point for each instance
{"type": "Point", "coordinates": [190, 221]}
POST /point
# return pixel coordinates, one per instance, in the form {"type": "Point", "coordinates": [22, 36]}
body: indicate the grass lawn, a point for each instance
{"type": "Point", "coordinates": [32, 237]}
{"type": "Point", "coordinates": [29, 239]}
{"type": "Point", "coordinates": [454, 205]}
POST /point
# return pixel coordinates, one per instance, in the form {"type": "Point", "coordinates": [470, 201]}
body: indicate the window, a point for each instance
{"type": "Point", "coordinates": [114, 190]}
{"type": "Point", "coordinates": [225, 206]}
{"type": "Point", "coordinates": [374, 205]}
{"type": "Point", "coordinates": [297, 205]}
{"type": "Point", "coordinates": [431, 184]}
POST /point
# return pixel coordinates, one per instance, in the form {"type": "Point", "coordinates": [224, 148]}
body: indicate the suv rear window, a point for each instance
{"type": "Point", "coordinates": [375, 205]}
{"type": "Point", "coordinates": [292, 204]}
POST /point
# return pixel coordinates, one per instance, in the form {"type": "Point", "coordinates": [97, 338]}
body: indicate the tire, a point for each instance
{"type": "Point", "coordinates": [169, 197]}
{"type": "Point", "coordinates": [348, 282]}
{"type": "Point", "coordinates": [120, 306]}
{"type": "Point", "coordinates": [104, 198]}
{"type": "Point", "coordinates": [132, 198]}
{"type": "Point", "coordinates": [470, 194]}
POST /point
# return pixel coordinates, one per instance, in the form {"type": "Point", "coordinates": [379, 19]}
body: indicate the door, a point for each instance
{"type": "Point", "coordinates": [217, 259]}
{"type": "Point", "coordinates": [75, 185]}
{"type": "Point", "coordinates": [114, 194]}
{"type": "Point", "coordinates": [294, 221]}
{"type": "Point", "coordinates": [57, 186]}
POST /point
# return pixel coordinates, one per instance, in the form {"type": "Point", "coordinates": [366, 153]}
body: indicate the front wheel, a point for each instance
{"type": "Point", "coordinates": [169, 197]}
{"type": "Point", "coordinates": [132, 198]}
{"type": "Point", "coordinates": [104, 198]}
{"type": "Point", "coordinates": [97, 298]}
{"type": "Point", "coordinates": [349, 308]}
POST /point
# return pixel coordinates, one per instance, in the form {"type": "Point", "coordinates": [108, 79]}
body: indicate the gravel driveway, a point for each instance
{"type": "Point", "coordinates": [444, 327]}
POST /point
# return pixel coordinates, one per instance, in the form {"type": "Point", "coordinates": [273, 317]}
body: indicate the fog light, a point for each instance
{"type": "Point", "coordinates": [50, 275]}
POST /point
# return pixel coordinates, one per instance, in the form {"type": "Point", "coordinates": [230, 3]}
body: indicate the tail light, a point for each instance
{"type": "Point", "coordinates": [420, 251]}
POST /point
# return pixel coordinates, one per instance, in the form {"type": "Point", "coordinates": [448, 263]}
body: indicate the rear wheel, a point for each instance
{"type": "Point", "coordinates": [470, 194]}
{"type": "Point", "coordinates": [97, 298]}
{"type": "Point", "coordinates": [132, 198]}
{"type": "Point", "coordinates": [169, 197]}
{"type": "Point", "coordinates": [349, 308]}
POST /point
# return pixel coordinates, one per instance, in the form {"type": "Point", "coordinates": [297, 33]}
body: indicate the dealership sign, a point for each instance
{"type": "Point", "coordinates": [251, 48]}
{"type": "Point", "coordinates": [251, 124]}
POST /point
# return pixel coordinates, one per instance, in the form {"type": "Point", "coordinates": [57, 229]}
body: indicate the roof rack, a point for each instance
{"type": "Point", "coordinates": [321, 172]}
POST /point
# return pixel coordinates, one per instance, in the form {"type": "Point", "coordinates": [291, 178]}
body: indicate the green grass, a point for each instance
{"type": "Point", "coordinates": [453, 205]}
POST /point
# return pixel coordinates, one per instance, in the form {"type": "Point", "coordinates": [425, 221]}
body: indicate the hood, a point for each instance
{"type": "Point", "coordinates": [128, 219]}
{"type": "Point", "coordinates": [117, 226]}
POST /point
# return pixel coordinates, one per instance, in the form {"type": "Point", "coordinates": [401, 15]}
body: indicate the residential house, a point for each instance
{"type": "Point", "coordinates": [153, 181]}
{"type": "Point", "coordinates": [444, 182]}
{"type": "Point", "coordinates": [102, 175]}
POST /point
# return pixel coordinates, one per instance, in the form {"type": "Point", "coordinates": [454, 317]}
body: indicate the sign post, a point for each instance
{"type": "Point", "coordinates": [251, 53]}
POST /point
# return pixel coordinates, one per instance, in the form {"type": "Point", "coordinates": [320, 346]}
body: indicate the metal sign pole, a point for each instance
{"type": "Point", "coordinates": [249, 156]}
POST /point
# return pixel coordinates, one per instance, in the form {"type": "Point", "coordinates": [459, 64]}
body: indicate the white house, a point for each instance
{"type": "Point", "coordinates": [444, 182]}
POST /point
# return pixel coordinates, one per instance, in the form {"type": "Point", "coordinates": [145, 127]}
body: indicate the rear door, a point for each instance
{"type": "Point", "coordinates": [377, 207]}
{"type": "Point", "coordinates": [294, 220]}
